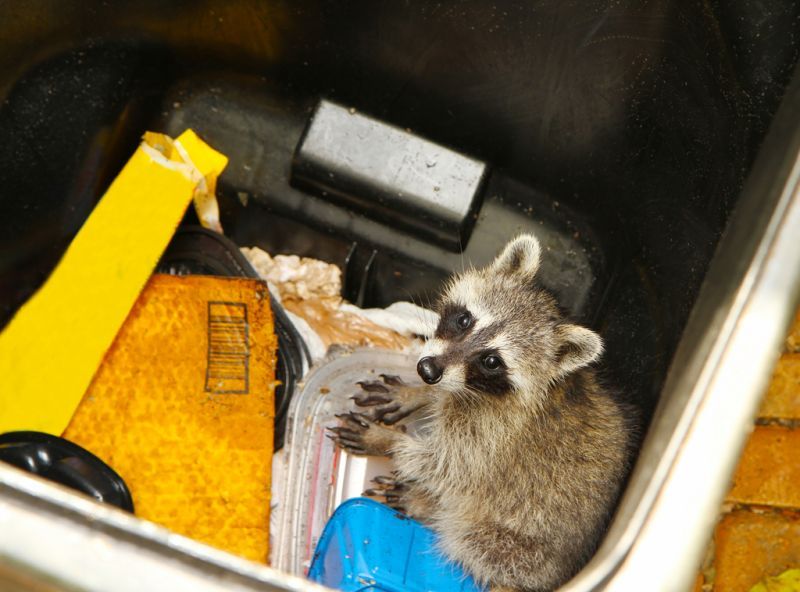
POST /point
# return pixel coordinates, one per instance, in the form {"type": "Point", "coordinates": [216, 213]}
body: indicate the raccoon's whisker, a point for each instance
{"type": "Point", "coordinates": [428, 301]}
{"type": "Point", "coordinates": [468, 395]}
{"type": "Point", "coordinates": [410, 296]}
{"type": "Point", "coordinates": [429, 416]}
{"type": "Point", "coordinates": [461, 252]}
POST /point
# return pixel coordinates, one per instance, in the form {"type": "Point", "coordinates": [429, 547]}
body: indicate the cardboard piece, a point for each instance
{"type": "Point", "coordinates": [183, 406]}
{"type": "Point", "coordinates": [52, 347]}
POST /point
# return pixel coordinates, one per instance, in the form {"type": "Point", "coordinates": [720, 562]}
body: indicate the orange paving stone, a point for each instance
{"type": "Point", "coordinates": [769, 470]}
{"type": "Point", "coordinates": [783, 396]}
{"type": "Point", "coordinates": [751, 545]}
{"type": "Point", "coordinates": [761, 537]}
{"type": "Point", "coordinates": [793, 340]}
{"type": "Point", "coordinates": [698, 583]}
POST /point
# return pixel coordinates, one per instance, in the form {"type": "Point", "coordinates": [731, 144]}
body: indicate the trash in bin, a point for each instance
{"type": "Point", "coordinates": [52, 347]}
{"type": "Point", "coordinates": [788, 581]}
{"type": "Point", "coordinates": [389, 174]}
{"type": "Point", "coordinates": [182, 407]}
{"type": "Point", "coordinates": [199, 251]}
{"type": "Point", "coordinates": [311, 289]}
{"type": "Point", "coordinates": [369, 547]}
{"type": "Point", "coordinates": [64, 462]}
{"type": "Point", "coordinates": [317, 475]}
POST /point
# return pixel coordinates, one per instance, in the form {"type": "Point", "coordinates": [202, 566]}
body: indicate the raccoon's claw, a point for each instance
{"type": "Point", "coordinates": [375, 392]}
{"type": "Point", "coordinates": [384, 480]}
{"type": "Point", "coordinates": [373, 386]}
{"type": "Point", "coordinates": [348, 440]}
{"type": "Point", "coordinates": [390, 490]}
{"type": "Point", "coordinates": [347, 444]}
{"type": "Point", "coordinates": [391, 413]}
{"type": "Point", "coordinates": [350, 434]}
{"type": "Point", "coordinates": [391, 400]}
{"type": "Point", "coordinates": [392, 501]}
{"type": "Point", "coordinates": [354, 419]}
{"type": "Point", "coordinates": [340, 432]}
{"type": "Point", "coordinates": [392, 380]}
{"type": "Point", "coordinates": [360, 434]}
{"type": "Point", "coordinates": [369, 399]}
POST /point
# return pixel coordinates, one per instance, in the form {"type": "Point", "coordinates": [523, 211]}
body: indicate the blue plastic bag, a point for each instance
{"type": "Point", "coordinates": [368, 547]}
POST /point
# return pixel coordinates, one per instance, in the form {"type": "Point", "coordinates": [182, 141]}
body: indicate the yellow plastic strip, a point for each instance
{"type": "Point", "coordinates": [51, 349]}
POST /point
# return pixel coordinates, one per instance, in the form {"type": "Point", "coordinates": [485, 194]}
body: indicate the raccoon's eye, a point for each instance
{"type": "Point", "coordinates": [464, 320]}
{"type": "Point", "coordinates": [492, 362]}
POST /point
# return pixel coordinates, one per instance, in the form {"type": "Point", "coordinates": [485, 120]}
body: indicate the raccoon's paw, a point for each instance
{"type": "Point", "coordinates": [390, 490]}
{"type": "Point", "coordinates": [391, 400]}
{"type": "Point", "coordinates": [403, 496]}
{"type": "Point", "coordinates": [359, 434]}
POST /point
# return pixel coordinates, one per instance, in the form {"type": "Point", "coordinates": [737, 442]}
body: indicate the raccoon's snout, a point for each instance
{"type": "Point", "coordinates": [429, 370]}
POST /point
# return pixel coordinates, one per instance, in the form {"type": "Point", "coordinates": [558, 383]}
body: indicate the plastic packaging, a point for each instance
{"type": "Point", "coordinates": [367, 546]}
{"type": "Point", "coordinates": [311, 289]}
{"type": "Point", "coordinates": [319, 476]}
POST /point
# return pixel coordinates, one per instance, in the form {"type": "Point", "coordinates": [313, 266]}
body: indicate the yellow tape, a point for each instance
{"type": "Point", "coordinates": [51, 349]}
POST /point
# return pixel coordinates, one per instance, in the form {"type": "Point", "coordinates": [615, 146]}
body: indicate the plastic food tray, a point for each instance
{"type": "Point", "coordinates": [367, 546]}
{"type": "Point", "coordinates": [317, 475]}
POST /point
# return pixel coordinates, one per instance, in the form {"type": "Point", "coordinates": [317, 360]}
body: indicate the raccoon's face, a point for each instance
{"type": "Point", "coordinates": [498, 334]}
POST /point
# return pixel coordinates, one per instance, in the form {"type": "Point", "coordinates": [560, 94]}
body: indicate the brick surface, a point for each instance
{"type": "Point", "coordinates": [698, 583]}
{"type": "Point", "coordinates": [783, 396]}
{"type": "Point", "coordinates": [761, 538]}
{"type": "Point", "coordinates": [769, 470]}
{"type": "Point", "coordinates": [793, 339]}
{"type": "Point", "coordinates": [751, 545]}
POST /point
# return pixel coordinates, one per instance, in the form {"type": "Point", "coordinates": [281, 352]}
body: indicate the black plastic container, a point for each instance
{"type": "Point", "coordinates": [64, 462]}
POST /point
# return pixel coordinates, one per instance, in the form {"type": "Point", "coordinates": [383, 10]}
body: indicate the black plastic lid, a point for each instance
{"type": "Point", "coordinates": [64, 462]}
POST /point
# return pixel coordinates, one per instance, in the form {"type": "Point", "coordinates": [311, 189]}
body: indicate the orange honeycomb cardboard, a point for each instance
{"type": "Point", "coordinates": [182, 408]}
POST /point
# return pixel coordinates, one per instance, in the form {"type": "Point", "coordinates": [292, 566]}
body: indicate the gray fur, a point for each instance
{"type": "Point", "coordinates": [518, 480]}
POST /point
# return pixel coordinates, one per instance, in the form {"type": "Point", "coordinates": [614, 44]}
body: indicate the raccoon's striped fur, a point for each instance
{"type": "Point", "coordinates": [522, 461]}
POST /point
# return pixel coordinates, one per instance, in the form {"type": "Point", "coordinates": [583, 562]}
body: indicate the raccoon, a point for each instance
{"type": "Point", "coordinates": [524, 452]}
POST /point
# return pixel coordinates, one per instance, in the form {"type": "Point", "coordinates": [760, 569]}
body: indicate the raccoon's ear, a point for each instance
{"type": "Point", "coordinates": [579, 347]}
{"type": "Point", "coordinates": [521, 256]}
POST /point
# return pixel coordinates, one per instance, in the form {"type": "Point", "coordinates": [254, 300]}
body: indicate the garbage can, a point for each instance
{"type": "Point", "coordinates": [632, 136]}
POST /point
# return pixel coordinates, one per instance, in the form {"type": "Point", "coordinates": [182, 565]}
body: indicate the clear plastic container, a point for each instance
{"type": "Point", "coordinates": [318, 476]}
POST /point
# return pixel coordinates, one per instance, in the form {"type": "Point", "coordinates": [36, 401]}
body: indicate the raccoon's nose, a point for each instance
{"type": "Point", "coordinates": [429, 371]}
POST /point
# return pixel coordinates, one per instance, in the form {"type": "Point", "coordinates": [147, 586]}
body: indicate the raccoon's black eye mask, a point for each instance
{"type": "Point", "coordinates": [487, 373]}
{"type": "Point", "coordinates": [455, 322]}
